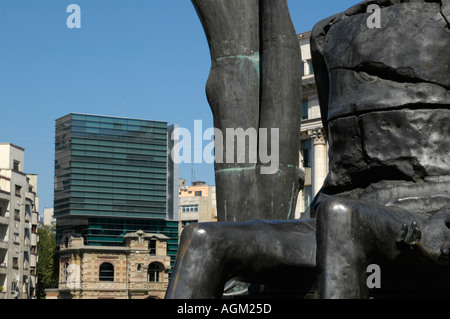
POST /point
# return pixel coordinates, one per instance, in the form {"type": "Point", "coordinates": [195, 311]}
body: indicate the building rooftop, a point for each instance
{"type": "Point", "coordinates": [13, 145]}
{"type": "Point", "coordinates": [110, 116]}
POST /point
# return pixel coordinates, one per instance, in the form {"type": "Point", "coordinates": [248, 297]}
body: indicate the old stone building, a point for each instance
{"type": "Point", "coordinates": [137, 270]}
{"type": "Point", "coordinates": [313, 144]}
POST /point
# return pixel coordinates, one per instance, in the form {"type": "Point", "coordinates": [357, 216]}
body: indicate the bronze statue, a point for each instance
{"type": "Point", "coordinates": [385, 105]}
{"type": "Point", "coordinates": [254, 84]}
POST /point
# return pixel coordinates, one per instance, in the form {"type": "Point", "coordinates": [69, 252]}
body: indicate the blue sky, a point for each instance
{"type": "Point", "coordinates": [135, 58]}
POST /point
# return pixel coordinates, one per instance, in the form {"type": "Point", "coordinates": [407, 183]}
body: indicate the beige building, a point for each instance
{"type": "Point", "coordinates": [314, 147]}
{"type": "Point", "coordinates": [138, 270]}
{"type": "Point", "coordinates": [197, 203]}
{"type": "Point", "coordinates": [19, 217]}
{"type": "Point", "coordinates": [49, 218]}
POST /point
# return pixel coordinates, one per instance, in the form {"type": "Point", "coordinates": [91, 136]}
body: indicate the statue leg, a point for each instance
{"type": "Point", "coordinates": [280, 108]}
{"type": "Point", "coordinates": [254, 90]}
{"type": "Point", "coordinates": [233, 92]}
{"type": "Point", "coordinates": [212, 253]}
{"type": "Point", "coordinates": [348, 232]}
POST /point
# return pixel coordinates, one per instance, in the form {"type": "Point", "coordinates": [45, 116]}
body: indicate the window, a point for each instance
{"type": "Point", "coordinates": [18, 189]}
{"type": "Point", "coordinates": [25, 261]}
{"type": "Point", "coordinates": [154, 271]}
{"type": "Point", "coordinates": [106, 272]}
{"type": "Point", "coordinates": [310, 66]}
{"type": "Point", "coordinates": [14, 287]}
{"type": "Point", "coordinates": [152, 247]}
{"type": "Point", "coordinates": [139, 267]}
{"type": "Point", "coordinates": [16, 237]}
{"type": "Point", "coordinates": [198, 193]}
{"type": "Point", "coordinates": [65, 271]}
{"type": "Point", "coordinates": [27, 213]}
{"type": "Point", "coordinates": [307, 67]}
{"type": "Point", "coordinates": [26, 237]}
{"type": "Point", "coordinates": [307, 197]}
{"type": "Point", "coordinates": [17, 214]}
{"type": "Point", "coordinates": [189, 208]}
{"type": "Point", "coordinates": [15, 263]}
{"type": "Point", "coordinates": [16, 165]}
{"type": "Point", "coordinates": [304, 109]}
{"type": "Point", "coordinates": [306, 153]}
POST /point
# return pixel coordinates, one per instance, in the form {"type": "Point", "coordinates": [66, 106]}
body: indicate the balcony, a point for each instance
{"type": "Point", "coordinates": [3, 244]}
{"type": "Point", "coordinates": [3, 269]}
{"type": "Point", "coordinates": [33, 260]}
{"type": "Point", "coordinates": [34, 218]}
{"type": "Point", "coordinates": [34, 239]}
{"type": "Point", "coordinates": [4, 220]}
{"type": "Point", "coordinates": [4, 196]}
{"type": "Point", "coordinates": [30, 196]}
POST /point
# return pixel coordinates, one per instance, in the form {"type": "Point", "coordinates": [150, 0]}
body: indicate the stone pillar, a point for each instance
{"type": "Point", "coordinates": [319, 165]}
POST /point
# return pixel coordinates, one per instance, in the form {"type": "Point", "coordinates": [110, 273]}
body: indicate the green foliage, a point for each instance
{"type": "Point", "coordinates": [48, 262]}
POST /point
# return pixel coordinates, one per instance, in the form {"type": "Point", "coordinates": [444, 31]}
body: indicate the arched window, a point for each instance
{"type": "Point", "coordinates": [155, 270]}
{"type": "Point", "coordinates": [106, 272]}
{"type": "Point", "coordinates": [66, 271]}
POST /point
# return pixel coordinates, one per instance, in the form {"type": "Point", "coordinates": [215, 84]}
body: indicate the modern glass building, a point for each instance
{"type": "Point", "coordinates": [113, 176]}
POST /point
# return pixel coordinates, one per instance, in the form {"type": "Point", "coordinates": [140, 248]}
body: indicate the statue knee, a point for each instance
{"type": "Point", "coordinates": [333, 210]}
{"type": "Point", "coordinates": [190, 231]}
{"type": "Point", "coordinates": [341, 222]}
{"type": "Point", "coordinates": [195, 233]}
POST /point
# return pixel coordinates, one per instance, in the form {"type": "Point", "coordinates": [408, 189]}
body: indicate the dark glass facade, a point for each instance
{"type": "Point", "coordinates": [111, 177]}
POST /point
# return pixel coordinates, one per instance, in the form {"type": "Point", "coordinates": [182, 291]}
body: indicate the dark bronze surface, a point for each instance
{"type": "Point", "coordinates": [385, 104]}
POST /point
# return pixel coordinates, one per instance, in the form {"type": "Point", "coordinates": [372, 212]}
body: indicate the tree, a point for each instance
{"type": "Point", "coordinates": [47, 266]}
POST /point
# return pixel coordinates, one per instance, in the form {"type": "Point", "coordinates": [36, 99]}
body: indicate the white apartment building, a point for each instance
{"type": "Point", "coordinates": [19, 217]}
{"type": "Point", "coordinates": [314, 147]}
